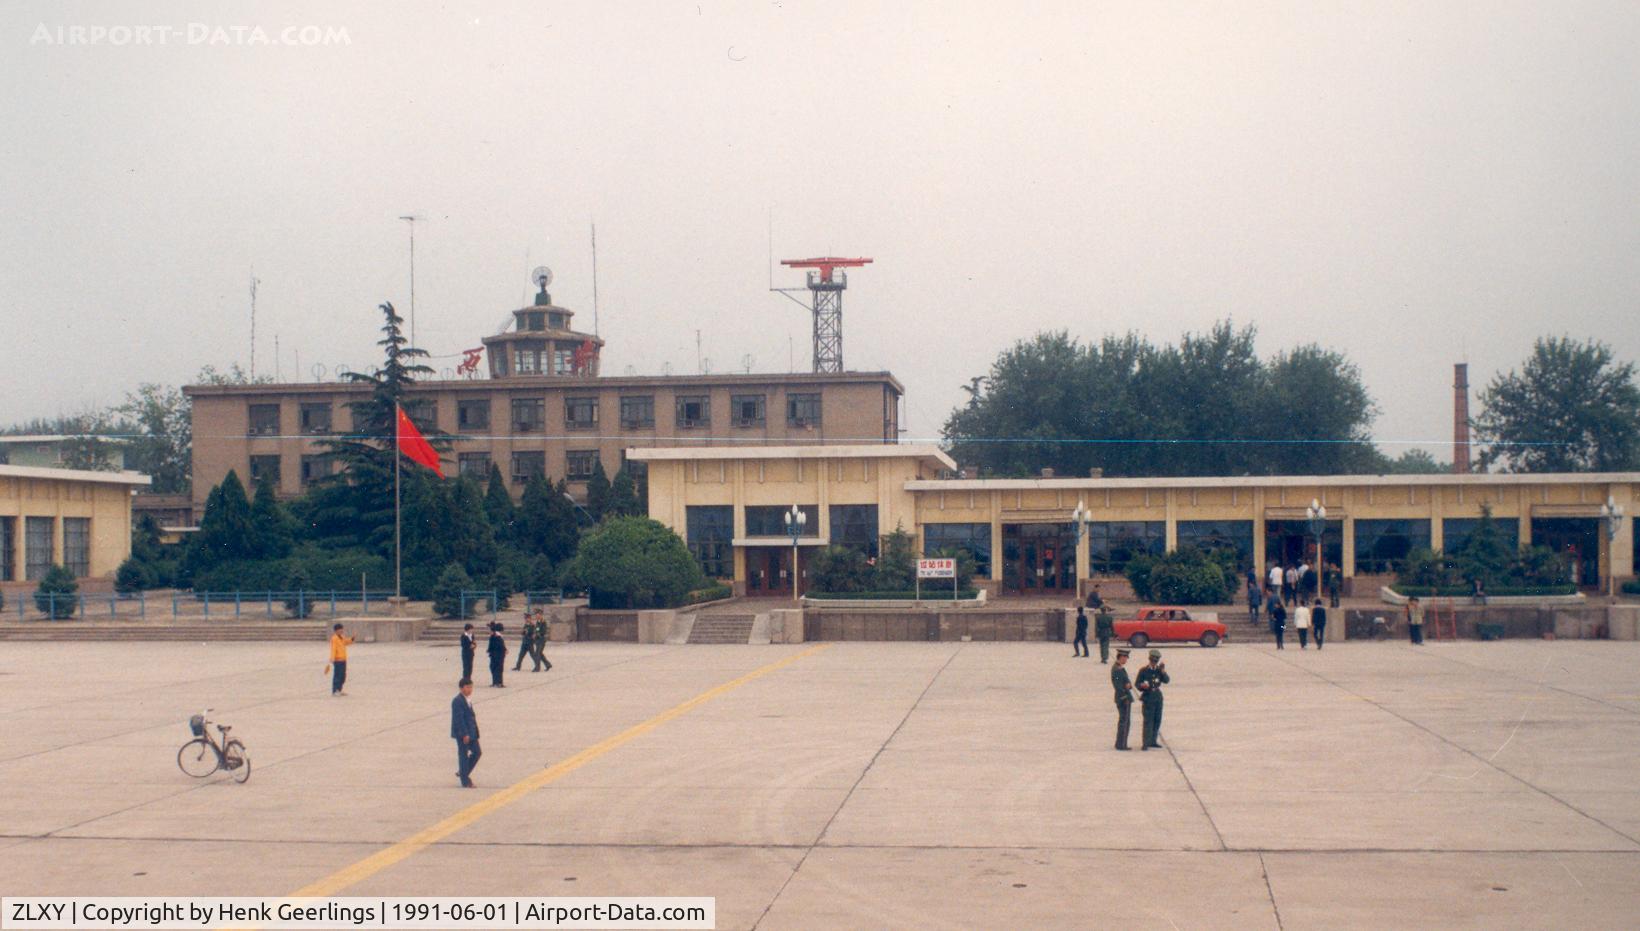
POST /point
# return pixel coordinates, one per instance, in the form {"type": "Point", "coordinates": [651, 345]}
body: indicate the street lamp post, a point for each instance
{"type": "Point", "coordinates": [1612, 513]}
{"type": "Point", "coordinates": [795, 519]}
{"type": "Point", "coordinates": [1318, 526]}
{"type": "Point", "coordinates": [1079, 517]}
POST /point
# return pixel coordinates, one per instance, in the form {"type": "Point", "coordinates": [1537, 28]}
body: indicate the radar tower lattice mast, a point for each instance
{"type": "Point", "coordinates": [826, 286]}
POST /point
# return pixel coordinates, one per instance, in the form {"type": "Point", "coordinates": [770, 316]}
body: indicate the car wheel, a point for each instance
{"type": "Point", "coordinates": [1138, 641]}
{"type": "Point", "coordinates": [1210, 639]}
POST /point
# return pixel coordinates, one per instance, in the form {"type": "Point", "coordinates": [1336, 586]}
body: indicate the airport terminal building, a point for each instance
{"type": "Point", "coordinates": [729, 505]}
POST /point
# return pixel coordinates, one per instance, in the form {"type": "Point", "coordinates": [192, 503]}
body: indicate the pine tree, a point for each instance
{"type": "Point", "coordinates": [547, 520]}
{"type": "Point", "coordinates": [623, 496]}
{"type": "Point", "coordinates": [224, 530]}
{"type": "Point", "coordinates": [897, 566]}
{"type": "Point", "coordinates": [447, 593]}
{"type": "Point", "coordinates": [499, 508]}
{"type": "Point", "coordinates": [273, 531]}
{"type": "Point", "coordinates": [598, 491]}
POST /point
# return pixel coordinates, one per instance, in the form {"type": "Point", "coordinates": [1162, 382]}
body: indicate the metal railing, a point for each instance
{"type": "Point", "coordinates": [64, 607]}
{"type": "Point", "coordinates": [301, 603]}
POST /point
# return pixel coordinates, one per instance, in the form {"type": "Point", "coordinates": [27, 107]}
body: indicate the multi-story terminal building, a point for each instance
{"type": "Point", "coordinates": [544, 409]}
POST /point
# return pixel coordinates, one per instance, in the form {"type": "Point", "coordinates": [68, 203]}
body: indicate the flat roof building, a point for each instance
{"type": "Point", "coordinates": [728, 505]}
{"type": "Point", "coordinates": [544, 409]}
{"type": "Point", "coordinates": [67, 517]}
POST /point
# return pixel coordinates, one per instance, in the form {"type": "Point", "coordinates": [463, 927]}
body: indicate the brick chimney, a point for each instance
{"type": "Point", "coordinates": [1460, 418]}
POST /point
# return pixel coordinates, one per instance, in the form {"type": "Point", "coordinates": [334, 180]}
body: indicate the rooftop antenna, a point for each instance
{"type": "Point", "coordinates": [411, 219]}
{"type": "Point", "coordinates": [254, 281]}
{"type": "Point", "coordinates": [276, 357]}
{"type": "Point", "coordinates": [699, 367]}
{"type": "Point", "coordinates": [595, 279]}
{"type": "Point", "coordinates": [825, 285]}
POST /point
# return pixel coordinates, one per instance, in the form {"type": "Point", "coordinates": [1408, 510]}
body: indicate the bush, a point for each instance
{"type": "Point", "coordinates": [633, 562]}
{"type": "Point", "coordinates": [714, 592]}
{"type": "Point", "coordinates": [503, 585]}
{"type": "Point", "coordinates": [897, 565]}
{"type": "Point", "coordinates": [1631, 587]}
{"type": "Point", "coordinates": [542, 576]}
{"type": "Point", "coordinates": [300, 584]}
{"type": "Point", "coordinates": [839, 569]}
{"type": "Point", "coordinates": [1186, 576]}
{"type": "Point", "coordinates": [447, 591]}
{"type": "Point", "coordinates": [1465, 592]}
{"type": "Point", "coordinates": [329, 570]}
{"type": "Point", "coordinates": [132, 576]}
{"type": "Point", "coordinates": [55, 596]}
{"type": "Point", "coordinates": [965, 565]}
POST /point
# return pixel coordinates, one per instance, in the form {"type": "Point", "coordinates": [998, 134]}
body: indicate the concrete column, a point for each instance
{"type": "Point", "coordinates": [1437, 511]}
{"type": "Point", "coordinates": [1623, 546]}
{"type": "Point", "coordinates": [1348, 555]}
{"type": "Point", "coordinates": [1258, 535]}
{"type": "Point", "coordinates": [996, 536]}
{"type": "Point", "coordinates": [1170, 522]}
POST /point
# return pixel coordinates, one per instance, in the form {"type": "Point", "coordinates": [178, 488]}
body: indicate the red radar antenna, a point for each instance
{"type": "Point", "coordinates": [826, 285]}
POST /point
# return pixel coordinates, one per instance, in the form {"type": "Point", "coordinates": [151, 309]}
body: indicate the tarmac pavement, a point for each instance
{"type": "Point", "coordinates": [1370, 785]}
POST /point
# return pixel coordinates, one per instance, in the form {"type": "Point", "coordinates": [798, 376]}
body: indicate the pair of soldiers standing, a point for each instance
{"type": "Point", "coordinates": [1150, 682]}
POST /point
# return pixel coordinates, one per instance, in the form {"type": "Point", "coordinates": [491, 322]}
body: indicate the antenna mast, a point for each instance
{"type": "Point", "coordinates": [826, 286]}
{"type": "Point", "coordinates": [594, 279]}
{"type": "Point", "coordinates": [411, 219]}
{"type": "Point", "coordinates": [254, 281]}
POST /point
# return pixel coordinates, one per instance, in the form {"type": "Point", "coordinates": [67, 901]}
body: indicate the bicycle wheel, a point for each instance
{"type": "Point", "coordinates": [237, 760]}
{"type": "Point", "coordinates": [197, 758]}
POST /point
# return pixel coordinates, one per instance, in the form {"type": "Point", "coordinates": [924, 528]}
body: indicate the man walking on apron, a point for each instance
{"type": "Point", "coordinates": [1079, 646]}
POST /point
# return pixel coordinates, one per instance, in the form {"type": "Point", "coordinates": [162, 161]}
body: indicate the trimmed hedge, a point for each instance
{"type": "Point", "coordinates": [1465, 592]}
{"type": "Point", "coordinates": [716, 592]}
{"type": "Point", "coordinates": [329, 570]}
{"type": "Point", "coordinates": [930, 593]}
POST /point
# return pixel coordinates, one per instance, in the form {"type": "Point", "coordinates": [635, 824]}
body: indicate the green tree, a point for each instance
{"type": "Point", "coordinates": [1570, 408]}
{"type": "Point", "coordinates": [623, 495]}
{"type": "Point", "coordinates": [499, 509]}
{"type": "Point", "coordinates": [224, 529]}
{"type": "Point", "coordinates": [1209, 406]}
{"type": "Point", "coordinates": [451, 583]}
{"type": "Point", "coordinates": [598, 491]}
{"type": "Point", "coordinates": [299, 591]}
{"type": "Point", "coordinates": [131, 576]}
{"type": "Point", "coordinates": [160, 436]}
{"type": "Point", "coordinates": [272, 529]}
{"type": "Point", "coordinates": [501, 582]}
{"type": "Point", "coordinates": [896, 569]}
{"type": "Point", "coordinates": [634, 562]}
{"type": "Point", "coordinates": [546, 521]}
{"type": "Point", "coordinates": [1484, 556]}
{"type": "Point", "coordinates": [839, 569]}
{"type": "Point", "coordinates": [1415, 462]}
{"type": "Point", "coordinates": [55, 594]}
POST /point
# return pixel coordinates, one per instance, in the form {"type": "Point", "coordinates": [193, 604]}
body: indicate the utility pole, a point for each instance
{"type": "Point", "coordinates": [411, 219]}
{"type": "Point", "coordinates": [254, 281]}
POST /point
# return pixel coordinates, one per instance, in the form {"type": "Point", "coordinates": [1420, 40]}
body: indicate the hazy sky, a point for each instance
{"type": "Point", "coordinates": [1413, 184]}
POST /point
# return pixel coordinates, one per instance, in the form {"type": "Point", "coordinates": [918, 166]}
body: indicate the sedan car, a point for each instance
{"type": "Point", "coordinates": [1165, 624]}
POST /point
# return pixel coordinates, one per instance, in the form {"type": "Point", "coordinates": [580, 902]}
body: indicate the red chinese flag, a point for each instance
{"type": "Point", "coordinates": [414, 445]}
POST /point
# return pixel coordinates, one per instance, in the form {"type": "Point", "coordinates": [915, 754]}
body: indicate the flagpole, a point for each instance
{"type": "Point", "coordinates": [398, 557]}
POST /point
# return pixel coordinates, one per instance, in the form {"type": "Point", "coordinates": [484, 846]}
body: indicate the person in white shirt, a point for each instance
{"type": "Point", "coordinates": [1275, 577]}
{"type": "Point", "coordinates": [1301, 620]}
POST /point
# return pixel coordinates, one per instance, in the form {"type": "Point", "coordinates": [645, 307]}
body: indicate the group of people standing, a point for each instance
{"type": "Point", "coordinates": [1149, 683]}
{"type": "Point", "coordinates": [463, 719]}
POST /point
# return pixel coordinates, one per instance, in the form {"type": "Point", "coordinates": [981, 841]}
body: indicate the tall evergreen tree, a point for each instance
{"type": "Point", "coordinates": [224, 528]}
{"type": "Point", "coordinates": [623, 496]}
{"type": "Point", "coordinates": [499, 508]}
{"type": "Point", "coordinates": [272, 529]}
{"type": "Point", "coordinates": [598, 491]}
{"type": "Point", "coordinates": [547, 521]}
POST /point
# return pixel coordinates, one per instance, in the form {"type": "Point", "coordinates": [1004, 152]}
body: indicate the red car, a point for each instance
{"type": "Point", "coordinates": [1167, 623]}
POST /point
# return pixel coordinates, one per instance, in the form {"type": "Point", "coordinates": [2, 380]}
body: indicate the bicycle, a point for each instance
{"type": "Point", "coordinates": [203, 755]}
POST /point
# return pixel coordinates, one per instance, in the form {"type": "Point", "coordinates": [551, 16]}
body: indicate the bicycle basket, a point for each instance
{"type": "Point", "coordinates": [197, 725]}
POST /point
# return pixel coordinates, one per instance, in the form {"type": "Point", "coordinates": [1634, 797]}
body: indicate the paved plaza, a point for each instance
{"type": "Point", "coordinates": [937, 785]}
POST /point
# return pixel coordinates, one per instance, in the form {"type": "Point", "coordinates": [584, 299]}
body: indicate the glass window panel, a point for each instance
{"type": "Point", "coordinates": [1380, 545]}
{"type": "Point", "coordinates": [710, 534]}
{"type": "Point", "coordinates": [770, 520]}
{"type": "Point", "coordinates": [975, 538]}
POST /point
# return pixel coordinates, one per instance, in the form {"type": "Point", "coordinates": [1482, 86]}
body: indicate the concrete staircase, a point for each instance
{"type": "Point", "coordinates": [445, 630]}
{"type": "Point", "coordinates": [114, 631]}
{"type": "Point", "coordinates": [722, 628]}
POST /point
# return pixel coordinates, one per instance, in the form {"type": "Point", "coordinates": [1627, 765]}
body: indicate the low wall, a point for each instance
{"type": "Point", "coordinates": [616, 626]}
{"type": "Point", "coordinates": [383, 629]}
{"type": "Point", "coordinates": [1587, 622]}
{"type": "Point", "coordinates": [924, 624]}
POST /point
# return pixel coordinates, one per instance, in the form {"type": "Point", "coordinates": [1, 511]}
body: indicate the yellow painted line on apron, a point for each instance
{"type": "Point", "coordinates": [426, 837]}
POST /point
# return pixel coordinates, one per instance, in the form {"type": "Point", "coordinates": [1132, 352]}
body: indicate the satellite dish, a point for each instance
{"type": "Point", "coordinates": [542, 276]}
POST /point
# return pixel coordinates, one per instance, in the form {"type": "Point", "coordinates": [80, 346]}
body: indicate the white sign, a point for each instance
{"type": "Point", "coordinates": [936, 568]}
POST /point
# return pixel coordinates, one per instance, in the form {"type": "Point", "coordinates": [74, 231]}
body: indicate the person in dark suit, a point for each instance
{"type": "Point", "coordinates": [464, 730]}
{"type": "Point", "coordinates": [1079, 646]}
{"type": "Point", "coordinates": [469, 646]}
{"type": "Point", "coordinates": [1318, 620]}
{"type": "Point", "coordinates": [498, 655]}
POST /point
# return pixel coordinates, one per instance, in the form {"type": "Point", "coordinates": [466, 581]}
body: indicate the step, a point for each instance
{"type": "Point", "coordinates": [722, 628]}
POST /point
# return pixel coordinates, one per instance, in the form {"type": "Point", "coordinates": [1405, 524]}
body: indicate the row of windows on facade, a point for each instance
{"type": "Point", "coordinates": [1379, 544]}
{"type": "Point", "coordinates": [579, 465]}
{"type": "Point", "coordinates": [529, 415]}
{"type": "Point", "coordinates": [39, 537]}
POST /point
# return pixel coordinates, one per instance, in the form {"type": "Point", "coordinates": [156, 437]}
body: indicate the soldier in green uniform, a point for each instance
{"type": "Point", "coordinates": [1151, 679]}
{"type": "Point", "coordinates": [1124, 698]}
{"type": "Point", "coordinates": [1104, 627]}
{"type": "Point", "coordinates": [541, 641]}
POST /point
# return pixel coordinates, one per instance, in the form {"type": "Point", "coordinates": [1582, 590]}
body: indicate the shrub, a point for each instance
{"type": "Point", "coordinates": [1187, 576]}
{"type": "Point", "coordinates": [965, 565]}
{"type": "Point", "coordinates": [300, 602]}
{"type": "Point", "coordinates": [1631, 587]}
{"type": "Point", "coordinates": [501, 581]}
{"type": "Point", "coordinates": [132, 576]}
{"type": "Point", "coordinates": [55, 596]}
{"type": "Point", "coordinates": [839, 569]}
{"type": "Point", "coordinates": [633, 562]}
{"type": "Point", "coordinates": [717, 591]}
{"type": "Point", "coordinates": [897, 565]}
{"type": "Point", "coordinates": [542, 576]}
{"type": "Point", "coordinates": [447, 591]}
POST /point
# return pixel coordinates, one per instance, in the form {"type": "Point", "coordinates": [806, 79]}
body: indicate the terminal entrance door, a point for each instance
{"type": "Point", "coordinates": [769, 571]}
{"type": "Point", "coordinates": [1576, 540]}
{"type": "Point", "coordinates": [1038, 558]}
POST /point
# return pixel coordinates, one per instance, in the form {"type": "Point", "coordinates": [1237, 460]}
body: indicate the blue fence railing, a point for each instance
{"type": "Point", "coordinates": [63, 607]}
{"type": "Point", "coordinates": [135, 605]}
{"type": "Point", "coordinates": [270, 603]}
